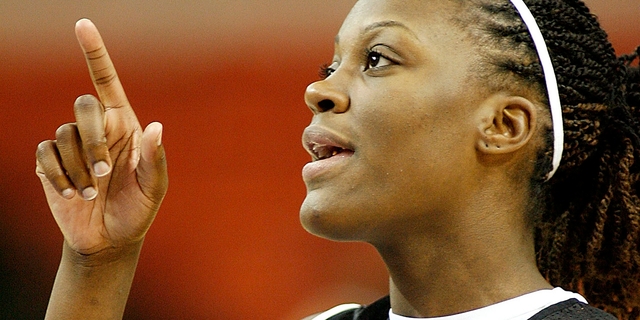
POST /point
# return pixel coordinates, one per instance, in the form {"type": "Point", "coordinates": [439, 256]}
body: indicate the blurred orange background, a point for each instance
{"type": "Point", "coordinates": [226, 78]}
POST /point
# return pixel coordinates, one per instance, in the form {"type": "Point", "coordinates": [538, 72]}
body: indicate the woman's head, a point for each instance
{"type": "Point", "coordinates": [403, 97]}
{"type": "Point", "coordinates": [412, 124]}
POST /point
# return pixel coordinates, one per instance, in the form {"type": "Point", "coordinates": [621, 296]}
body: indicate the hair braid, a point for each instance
{"type": "Point", "coordinates": [633, 80]}
{"type": "Point", "coordinates": [588, 215]}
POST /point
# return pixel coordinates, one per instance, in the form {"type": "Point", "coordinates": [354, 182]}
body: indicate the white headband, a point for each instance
{"type": "Point", "coordinates": [550, 79]}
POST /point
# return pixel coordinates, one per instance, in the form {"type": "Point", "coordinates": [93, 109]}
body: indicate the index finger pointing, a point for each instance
{"type": "Point", "coordinates": [104, 76]}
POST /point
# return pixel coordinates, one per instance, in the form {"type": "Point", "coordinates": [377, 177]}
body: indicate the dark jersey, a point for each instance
{"type": "Point", "coordinates": [566, 310]}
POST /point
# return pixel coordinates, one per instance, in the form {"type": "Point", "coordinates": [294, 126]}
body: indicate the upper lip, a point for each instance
{"type": "Point", "coordinates": [321, 142]}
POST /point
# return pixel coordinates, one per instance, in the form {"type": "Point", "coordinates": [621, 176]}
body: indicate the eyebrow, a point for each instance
{"type": "Point", "coordinates": [382, 24]}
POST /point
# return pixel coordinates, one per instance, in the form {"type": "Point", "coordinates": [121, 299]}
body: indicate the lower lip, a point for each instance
{"type": "Point", "coordinates": [317, 168]}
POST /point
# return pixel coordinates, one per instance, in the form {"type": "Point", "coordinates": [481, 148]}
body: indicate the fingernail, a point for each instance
{"type": "Point", "coordinates": [159, 139]}
{"type": "Point", "coordinates": [101, 169]}
{"type": "Point", "coordinates": [67, 193]}
{"type": "Point", "coordinates": [89, 193]}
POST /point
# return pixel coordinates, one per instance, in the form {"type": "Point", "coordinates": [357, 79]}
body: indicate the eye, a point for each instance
{"type": "Point", "coordinates": [376, 59]}
{"type": "Point", "coordinates": [325, 71]}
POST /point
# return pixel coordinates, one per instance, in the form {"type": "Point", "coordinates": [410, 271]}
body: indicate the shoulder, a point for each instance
{"type": "Point", "coordinates": [378, 310]}
{"type": "Point", "coordinates": [572, 309]}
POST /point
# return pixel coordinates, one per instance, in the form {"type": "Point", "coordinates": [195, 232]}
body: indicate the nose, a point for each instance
{"type": "Point", "coordinates": [324, 95]}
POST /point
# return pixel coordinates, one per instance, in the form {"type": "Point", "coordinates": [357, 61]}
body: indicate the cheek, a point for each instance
{"type": "Point", "coordinates": [394, 134]}
{"type": "Point", "coordinates": [413, 145]}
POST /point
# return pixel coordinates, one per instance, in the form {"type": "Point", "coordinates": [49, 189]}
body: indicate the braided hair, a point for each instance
{"type": "Point", "coordinates": [587, 217]}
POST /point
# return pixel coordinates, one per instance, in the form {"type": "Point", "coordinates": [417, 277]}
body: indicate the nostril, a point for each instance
{"type": "Point", "coordinates": [326, 105]}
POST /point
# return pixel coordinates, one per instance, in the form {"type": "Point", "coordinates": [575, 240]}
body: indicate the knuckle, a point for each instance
{"type": "Point", "coordinates": [85, 100]}
{"type": "Point", "coordinates": [105, 79]}
{"type": "Point", "coordinates": [42, 148]}
{"type": "Point", "coordinates": [97, 54]}
{"type": "Point", "coordinates": [39, 172]}
{"type": "Point", "coordinates": [39, 168]}
{"type": "Point", "coordinates": [65, 131]}
{"type": "Point", "coordinates": [95, 144]}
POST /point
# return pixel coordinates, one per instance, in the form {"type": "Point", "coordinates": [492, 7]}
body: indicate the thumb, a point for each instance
{"type": "Point", "coordinates": [152, 168]}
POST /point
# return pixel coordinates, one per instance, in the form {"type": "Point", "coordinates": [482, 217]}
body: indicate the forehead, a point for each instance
{"type": "Point", "coordinates": [423, 17]}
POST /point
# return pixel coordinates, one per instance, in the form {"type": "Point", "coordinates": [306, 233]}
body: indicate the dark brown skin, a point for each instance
{"type": "Point", "coordinates": [430, 182]}
{"type": "Point", "coordinates": [103, 213]}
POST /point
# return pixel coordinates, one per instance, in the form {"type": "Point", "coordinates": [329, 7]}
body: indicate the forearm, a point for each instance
{"type": "Point", "coordinates": [93, 287]}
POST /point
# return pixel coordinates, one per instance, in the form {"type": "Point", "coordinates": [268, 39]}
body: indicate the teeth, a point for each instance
{"type": "Point", "coordinates": [324, 151]}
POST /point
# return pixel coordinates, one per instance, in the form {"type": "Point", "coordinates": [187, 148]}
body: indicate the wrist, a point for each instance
{"type": "Point", "coordinates": [104, 257]}
{"type": "Point", "coordinates": [93, 286]}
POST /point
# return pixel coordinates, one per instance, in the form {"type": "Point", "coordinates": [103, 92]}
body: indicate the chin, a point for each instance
{"type": "Point", "coordinates": [328, 223]}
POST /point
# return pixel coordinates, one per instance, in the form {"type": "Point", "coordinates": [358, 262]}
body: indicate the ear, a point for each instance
{"type": "Point", "coordinates": [505, 124]}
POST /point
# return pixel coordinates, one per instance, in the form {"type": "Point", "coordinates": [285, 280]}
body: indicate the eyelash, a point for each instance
{"type": "Point", "coordinates": [326, 70]}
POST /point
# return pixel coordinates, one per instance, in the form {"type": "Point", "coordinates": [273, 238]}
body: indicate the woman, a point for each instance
{"type": "Point", "coordinates": [436, 137]}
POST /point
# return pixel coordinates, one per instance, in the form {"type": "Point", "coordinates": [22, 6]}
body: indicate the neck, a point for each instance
{"type": "Point", "coordinates": [472, 265]}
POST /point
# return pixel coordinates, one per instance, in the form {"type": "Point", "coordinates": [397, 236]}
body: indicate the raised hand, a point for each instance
{"type": "Point", "coordinates": [104, 176]}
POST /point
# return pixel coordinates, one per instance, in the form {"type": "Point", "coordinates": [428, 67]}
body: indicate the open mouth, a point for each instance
{"type": "Point", "coordinates": [321, 151]}
{"type": "Point", "coordinates": [323, 144]}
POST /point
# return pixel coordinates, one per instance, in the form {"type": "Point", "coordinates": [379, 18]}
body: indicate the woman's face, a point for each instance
{"type": "Point", "coordinates": [391, 133]}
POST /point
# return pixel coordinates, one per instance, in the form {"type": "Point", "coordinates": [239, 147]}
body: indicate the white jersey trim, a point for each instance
{"type": "Point", "coordinates": [335, 310]}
